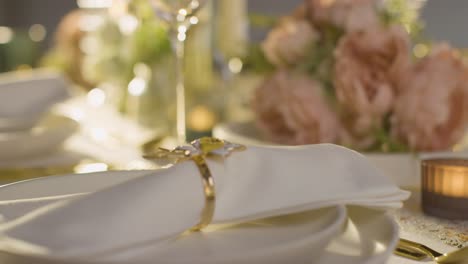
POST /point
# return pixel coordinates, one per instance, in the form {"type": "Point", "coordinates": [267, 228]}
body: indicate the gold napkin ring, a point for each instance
{"type": "Point", "coordinates": [198, 151]}
{"type": "Point", "coordinates": [209, 191]}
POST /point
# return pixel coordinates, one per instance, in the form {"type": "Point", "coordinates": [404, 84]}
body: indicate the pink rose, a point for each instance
{"type": "Point", "coordinates": [367, 65]}
{"type": "Point", "coordinates": [351, 15]}
{"type": "Point", "coordinates": [432, 111]}
{"type": "Point", "coordinates": [289, 42]}
{"type": "Point", "coordinates": [291, 110]}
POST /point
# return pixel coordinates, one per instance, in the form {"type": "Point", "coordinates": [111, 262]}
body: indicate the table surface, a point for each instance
{"type": "Point", "coordinates": [438, 234]}
{"type": "Point", "coordinates": [441, 235]}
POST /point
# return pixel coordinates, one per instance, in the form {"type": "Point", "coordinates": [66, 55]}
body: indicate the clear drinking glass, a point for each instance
{"type": "Point", "coordinates": [180, 15]}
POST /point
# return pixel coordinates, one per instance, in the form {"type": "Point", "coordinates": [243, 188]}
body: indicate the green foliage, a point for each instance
{"type": "Point", "coordinates": [385, 143]}
{"type": "Point", "coordinates": [141, 9]}
{"type": "Point", "coordinates": [405, 13]}
{"type": "Point", "coordinates": [256, 60]}
{"type": "Point", "coordinates": [320, 62]}
{"type": "Point", "coordinates": [149, 43]}
{"type": "Point", "coordinates": [262, 21]}
{"type": "Point", "coordinates": [21, 50]}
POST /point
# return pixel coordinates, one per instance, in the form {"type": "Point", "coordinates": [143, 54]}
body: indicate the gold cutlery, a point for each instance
{"type": "Point", "coordinates": [417, 251]}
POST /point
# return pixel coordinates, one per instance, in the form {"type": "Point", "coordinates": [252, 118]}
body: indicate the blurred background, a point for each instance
{"type": "Point", "coordinates": [31, 23]}
{"type": "Point", "coordinates": [26, 29]}
{"type": "Point", "coordinates": [124, 54]}
{"type": "Point", "coordinates": [117, 56]}
{"type": "Point", "coordinates": [445, 20]}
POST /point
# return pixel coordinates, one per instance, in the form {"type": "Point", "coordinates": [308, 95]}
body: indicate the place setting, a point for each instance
{"type": "Point", "coordinates": [283, 227]}
{"type": "Point", "coordinates": [233, 132]}
{"type": "Point", "coordinates": [44, 130]}
{"type": "Point", "coordinates": [29, 128]}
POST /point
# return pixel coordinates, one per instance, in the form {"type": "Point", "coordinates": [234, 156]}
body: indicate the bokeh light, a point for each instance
{"type": "Point", "coordinates": [37, 32]}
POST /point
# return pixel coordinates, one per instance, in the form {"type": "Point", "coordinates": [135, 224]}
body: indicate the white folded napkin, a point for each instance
{"type": "Point", "coordinates": [256, 183]}
{"type": "Point", "coordinates": [26, 96]}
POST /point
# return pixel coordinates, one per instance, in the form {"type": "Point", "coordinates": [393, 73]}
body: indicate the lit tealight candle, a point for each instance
{"type": "Point", "coordinates": [445, 188]}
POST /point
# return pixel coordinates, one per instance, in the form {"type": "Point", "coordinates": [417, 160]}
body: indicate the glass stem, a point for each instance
{"type": "Point", "coordinates": [178, 45]}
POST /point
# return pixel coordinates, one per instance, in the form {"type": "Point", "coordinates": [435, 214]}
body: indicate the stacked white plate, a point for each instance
{"type": "Point", "coordinates": [332, 235]}
{"type": "Point", "coordinates": [27, 128]}
{"type": "Point", "coordinates": [25, 97]}
{"type": "Point", "coordinates": [44, 138]}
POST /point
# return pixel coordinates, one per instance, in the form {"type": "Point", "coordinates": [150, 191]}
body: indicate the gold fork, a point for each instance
{"type": "Point", "coordinates": [416, 251]}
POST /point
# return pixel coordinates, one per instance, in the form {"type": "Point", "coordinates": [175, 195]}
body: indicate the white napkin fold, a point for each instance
{"type": "Point", "coordinates": [257, 183]}
{"type": "Point", "coordinates": [26, 96]}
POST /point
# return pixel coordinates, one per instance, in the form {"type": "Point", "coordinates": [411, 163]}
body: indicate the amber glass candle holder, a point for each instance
{"type": "Point", "coordinates": [445, 188]}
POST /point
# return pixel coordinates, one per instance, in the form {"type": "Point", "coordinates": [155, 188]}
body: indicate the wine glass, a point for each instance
{"type": "Point", "coordinates": [180, 15]}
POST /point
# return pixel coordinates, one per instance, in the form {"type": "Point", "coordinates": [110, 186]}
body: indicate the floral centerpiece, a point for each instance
{"type": "Point", "coordinates": [343, 71]}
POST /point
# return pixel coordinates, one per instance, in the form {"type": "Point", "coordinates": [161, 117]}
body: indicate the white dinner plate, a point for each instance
{"type": "Point", "coordinates": [44, 138]}
{"type": "Point", "coordinates": [369, 237]}
{"type": "Point", "coordinates": [299, 238]}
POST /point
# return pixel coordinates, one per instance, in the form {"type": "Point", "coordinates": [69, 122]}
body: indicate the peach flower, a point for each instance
{"type": "Point", "coordinates": [291, 110]}
{"type": "Point", "coordinates": [432, 112]}
{"type": "Point", "coordinates": [67, 44]}
{"type": "Point", "coordinates": [351, 15]}
{"type": "Point", "coordinates": [367, 65]}
{"type": "Point", "coordinates": [289, 42]}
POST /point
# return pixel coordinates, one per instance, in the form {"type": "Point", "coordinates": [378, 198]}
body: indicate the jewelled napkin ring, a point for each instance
{"type": "Point", "coordinates": [197, 152]}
